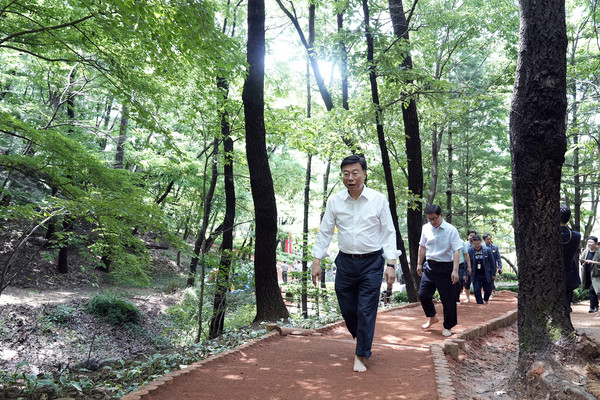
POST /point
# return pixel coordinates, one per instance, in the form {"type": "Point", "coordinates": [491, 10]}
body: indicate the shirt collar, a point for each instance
{"type": "Point", "coordinates": [443, 225]}
{"type": "Point", "coordinates": [366, 193]}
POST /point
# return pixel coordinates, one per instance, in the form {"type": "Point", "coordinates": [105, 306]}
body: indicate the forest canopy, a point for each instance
{"type": "Point", "coordinates": [110, 111]}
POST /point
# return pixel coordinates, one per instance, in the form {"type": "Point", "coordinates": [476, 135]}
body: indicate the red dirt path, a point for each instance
{"type": "Point", "coordinates": [320, 367]}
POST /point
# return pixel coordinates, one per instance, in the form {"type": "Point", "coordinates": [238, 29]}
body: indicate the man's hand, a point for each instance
{"type": "Point", "coordinates": [419, 270]}
{"type": "Point", "coordinates": [316, 270]}
{"type": "Point", "coordinates": [469, 271]}
{"type": "Point", "coordinates": [390, 275]}
{"type": "Point", "coordinates": [454, 276]}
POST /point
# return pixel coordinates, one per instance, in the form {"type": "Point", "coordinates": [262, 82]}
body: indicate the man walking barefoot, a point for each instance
{"type": "Point", "coordinates": [440, 244]}
{"type": "Point", "coordinates": [366, 234]}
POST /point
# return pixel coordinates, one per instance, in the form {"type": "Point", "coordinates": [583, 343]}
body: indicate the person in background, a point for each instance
{"type": "Point", "coordinates": [483, 270]}
{"type": "Point", "coordinates": [440, 245]}
{"type": "Point", "coordinates": [470, 235]}
{"type": "Point", "coordinates": [589, 258]}
{"type": "Point", "coordinates": [366, 234]}
{"type": "Point", "coordinates": [570, 243]}
{"type": "Point", "coordinates": [464, 271]}
{"type": "Point", "coordinates": [284, 271]}
{"type": "Point", "coordinates": [487, 239]}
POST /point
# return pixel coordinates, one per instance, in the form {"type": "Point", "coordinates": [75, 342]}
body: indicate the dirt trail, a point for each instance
{"type": "Point", "coordinates": [35, 297]}
{"type": "Point", "coordinates": [320, 367]}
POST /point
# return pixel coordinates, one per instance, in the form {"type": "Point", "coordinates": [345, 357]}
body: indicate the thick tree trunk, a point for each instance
{"type": "Point", "coordinates": [412, 135]}
{"type": "Point", "coordinates": [538, 145]}
{"type": "Point", "coordinates": [269, 303]}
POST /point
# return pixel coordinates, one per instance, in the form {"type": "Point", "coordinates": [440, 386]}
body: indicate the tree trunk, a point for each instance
{"type": "Point", "coordinates": [108, 110]}
{"type": "Point", "coordinates": [323, 206]}
{"type": "Point", "coordinates": [120, 154]}
{"type": "Point", "coordinates": [199, 245]}
{"type": "Point", "coordinates": [450, 176]}
{"type": "Point", "coordinates": [412, 135]}
{"type": "Point", "coordinates": [538, 145]}
{"type": "Point", "coordinates": [62, 264]}
{"type": "Point", "coordinates": [217, 323]}
{"type": "Point", "coordinates": [305, 237]}
{"type": "Point", "coordinates": [269, 303]}
{"type": "Point", "coordinates": [385, 158]}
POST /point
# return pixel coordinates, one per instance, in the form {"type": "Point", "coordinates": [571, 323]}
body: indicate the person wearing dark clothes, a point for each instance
{"type": "Point", "coordinates": [570, 242]}
{"type": "Point", "coordinates": [483, 270]}
{"type": "Point", "coordinates": [590, 254]}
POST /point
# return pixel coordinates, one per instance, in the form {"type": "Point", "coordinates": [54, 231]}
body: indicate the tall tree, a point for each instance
{"type": "Point", "coordinates": [414, 162]}
{"type": "Point", "coordinates": [217, 323]}
{"type": "Point", "coordinates": [385, 158]}
{"type": "Point", "coordinates": [538, 145]}
{"type": "Point", "coordinates": [269, 303]}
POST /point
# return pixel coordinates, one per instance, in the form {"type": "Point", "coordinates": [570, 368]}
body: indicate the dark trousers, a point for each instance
{"type": "Point", "coordinates": [357, 286]}
{"type": "Point", "coordinates": [458, 286]}
{"type": "Point", "coordinates": [480, 281]}
{"type": "Point", "coordinates": [438, 275]}
{"type": "Point", "coordinates": [593, 298]}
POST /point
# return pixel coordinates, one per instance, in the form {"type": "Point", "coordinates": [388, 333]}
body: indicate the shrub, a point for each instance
{"type": "Point", "coordinates": [59, 314]}
{"type": "Point", "coordinates": [507, 276]}
{"type": "Point", "coordinates": [581, 295]}
{"type": "Point", "coordinates": [113, 309]}
{"type": "Point", "coordinates": [400, 297]}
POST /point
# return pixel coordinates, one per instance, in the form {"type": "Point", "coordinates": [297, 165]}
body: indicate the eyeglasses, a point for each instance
{"type": "Point", "coordinates": [434, 218]}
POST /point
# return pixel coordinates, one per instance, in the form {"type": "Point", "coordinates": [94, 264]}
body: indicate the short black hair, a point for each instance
{"type": "Point", "coordinates": [353, 159]}
{"type": "Point", "coordinates": [433, 209]}
{"type": "Point", "coordinates": [473, 232]}
{"type": "Point", "coordinates": [594, 238]}
{"type": "Point", "coordinates": [476, 238]}
{"type": "Point", "coordinates": [565, 213]}
{"type": "Point", "coordinates": [486, 235]}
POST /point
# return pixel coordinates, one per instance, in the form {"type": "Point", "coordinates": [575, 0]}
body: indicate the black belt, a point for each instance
{"type": "Point", "coordinates": [438, 262]}
{"type": "Point", "coordinates": [360, 256]}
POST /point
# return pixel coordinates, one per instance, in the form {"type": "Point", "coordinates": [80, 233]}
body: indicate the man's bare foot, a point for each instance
{"type": "Point", "coordinates": [431, 321]}
{"type": "Point", "coordinates": [359, 365]}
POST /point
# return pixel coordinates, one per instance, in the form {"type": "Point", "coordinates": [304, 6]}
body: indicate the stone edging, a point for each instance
{"type": "Point", "coordinates": [443, 378]}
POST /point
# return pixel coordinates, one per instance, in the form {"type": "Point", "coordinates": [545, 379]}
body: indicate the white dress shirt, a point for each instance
{"type": "Point", "coordinates": [441, 242]}
{"type": "Point", "coordinates": [364, 225]}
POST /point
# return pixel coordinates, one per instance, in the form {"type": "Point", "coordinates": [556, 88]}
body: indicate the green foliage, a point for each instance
{"type": "Point", "coordinates": [514, 288]}
{"type": "Point", "coordinates": [580, 295]}
{"type": "Point", "coordinates": [59, 314]}
{"type": "Point", "coordinates": [400, 297]}
{"type": "Point", "coordinates": [113, 309]}
{"type": "Point", "coordinates": [507, 276]}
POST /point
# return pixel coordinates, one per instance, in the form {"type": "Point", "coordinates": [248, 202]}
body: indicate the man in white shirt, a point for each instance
{"type": "Point", "coordinates": [366, 234]}
{"type": "Point", "coordinates": [441, 245]}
